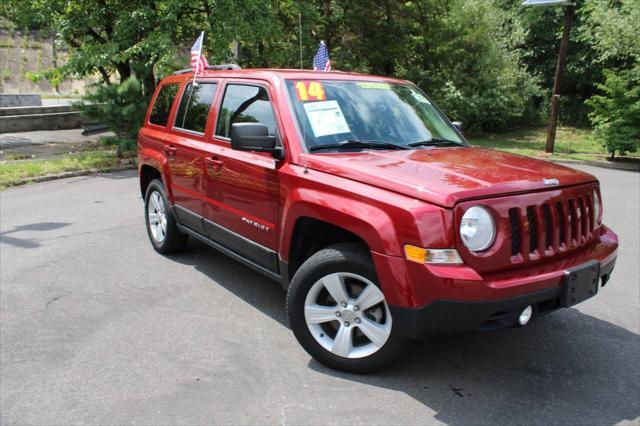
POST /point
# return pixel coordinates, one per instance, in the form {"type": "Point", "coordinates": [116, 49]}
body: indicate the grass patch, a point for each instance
{"type": "Point", "coordinates": [13, 172]}
{"type": "Point", "coordinates": [571, 143]}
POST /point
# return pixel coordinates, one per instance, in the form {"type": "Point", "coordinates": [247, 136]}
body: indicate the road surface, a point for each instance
{"type": "Point", "coordinates": [97, 328]}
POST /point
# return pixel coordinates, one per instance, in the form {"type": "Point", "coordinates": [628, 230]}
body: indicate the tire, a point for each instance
{"type": "Point", "coordinates": [163, 234]}
{"type": "Point", "coordinates": [347, 338]}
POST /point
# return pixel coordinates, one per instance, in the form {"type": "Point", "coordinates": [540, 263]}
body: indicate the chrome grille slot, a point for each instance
{"type": "Point", "coordinates": [562, 224]}
{"type": "Point", "coordinates": [572, 218]}
{"type": "Point", "coordinates": [514, 228]}
{"type": "Point", "coordinates": [548, 226]}
{"type": "Point", "coordinates": [533, 229]}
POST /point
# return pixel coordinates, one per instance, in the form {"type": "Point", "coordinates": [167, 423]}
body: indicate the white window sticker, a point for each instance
{"type": "Point", "coordinates": [326, 118]}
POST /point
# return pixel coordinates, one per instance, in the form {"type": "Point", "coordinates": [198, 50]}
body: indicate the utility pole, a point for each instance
{"type": "Point", "coordinates": [557, 81]}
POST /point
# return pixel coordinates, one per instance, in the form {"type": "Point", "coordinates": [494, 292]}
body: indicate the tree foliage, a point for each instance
{"type": "Point", "coordinates": [613, 31]}
{"type": "Point", "coordinates": [616, 112]}
{"type": "Point", "coordinates": [120, 106]}
{"type": "Point", "coordinates": [489, 63]}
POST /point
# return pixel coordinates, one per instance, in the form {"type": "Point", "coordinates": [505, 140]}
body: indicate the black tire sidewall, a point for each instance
{"type": "Point", "coordinates": [339, 258]}
{"type": "Point", "coordinates": [174, 239]}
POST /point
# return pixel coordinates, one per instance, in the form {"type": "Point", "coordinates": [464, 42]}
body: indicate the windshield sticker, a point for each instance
{"type": "Point", "coordinates": [371, 85]}
{"type": "Point", "coordinates": [326, 118]}
{"type": "Point", "coordinates": [310, 91]}
{"type": "Point", "coordinates": [420, 98]}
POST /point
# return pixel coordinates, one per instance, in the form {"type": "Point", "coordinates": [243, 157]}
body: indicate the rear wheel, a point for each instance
{"type": "Point", "coordinates": [338, 312]}
{"type": "Point", "coordinates": [161, 225]}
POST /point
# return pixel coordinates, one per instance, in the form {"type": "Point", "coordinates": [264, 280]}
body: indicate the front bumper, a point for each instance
{"type": "Point", "coordinates": [450, 315]}
{"type": "Point", "coordinates": [425, 298]}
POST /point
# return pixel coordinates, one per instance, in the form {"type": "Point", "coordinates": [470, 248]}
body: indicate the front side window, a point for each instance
{"type": "Point", "coordinates": [245, 104]}
{"type": "Point", "coordinates": [194, 106]}
{"type": "Point", "coordinates": [332, 112]}
{"type": "Point", "coordinates": [162, 105]}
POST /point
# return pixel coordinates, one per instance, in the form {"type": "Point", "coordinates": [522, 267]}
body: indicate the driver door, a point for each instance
{"type": "Point", "coordinates": [241, 189]}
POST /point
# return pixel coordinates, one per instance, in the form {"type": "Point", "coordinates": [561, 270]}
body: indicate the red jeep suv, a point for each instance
{"type": "Point", "coordinates": [367, 204]}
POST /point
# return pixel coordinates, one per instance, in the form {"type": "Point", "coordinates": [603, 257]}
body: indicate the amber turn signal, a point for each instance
{"type": "Point", "coordinates": [423, 255]}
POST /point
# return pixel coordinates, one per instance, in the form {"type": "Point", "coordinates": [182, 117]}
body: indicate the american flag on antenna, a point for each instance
{"type": "Point", "coordinates": [321, 61]}
{"type": "Point", "coordinates": [198, 61]}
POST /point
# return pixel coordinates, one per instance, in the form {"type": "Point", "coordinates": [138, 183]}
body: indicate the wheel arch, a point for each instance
{"type": "Point", "coordinates": [147, 174]}
{"type": "Point", "coordinates": [309, 226]}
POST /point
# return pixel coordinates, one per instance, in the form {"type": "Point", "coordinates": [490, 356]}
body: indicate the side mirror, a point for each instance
{"type": "Point", "coordinates": [457, 125]}
{"type": "Point", "coordinates": [254, 137]}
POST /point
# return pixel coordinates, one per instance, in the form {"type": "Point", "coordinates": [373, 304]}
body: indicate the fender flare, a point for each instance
{"type": "Point", "coordinates": [153, 158]}
{"type": "Point", "coordinates": [370, 223]}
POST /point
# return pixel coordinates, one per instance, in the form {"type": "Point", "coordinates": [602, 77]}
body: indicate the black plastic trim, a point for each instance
{"type": "Point", "coordinates": [189, 219]}
{"type": "Point", "coordinates": [449, 315]}
{"type": "Point", "coordinates": [454, 315]}
{"type": "Point", "coordinates": [253, 251]}
{"type": "Point", "coordinates": [236, 256]}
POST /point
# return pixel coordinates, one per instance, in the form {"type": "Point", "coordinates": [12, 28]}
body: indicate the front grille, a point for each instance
{"type": "Point", "coordinates": [545, 229]}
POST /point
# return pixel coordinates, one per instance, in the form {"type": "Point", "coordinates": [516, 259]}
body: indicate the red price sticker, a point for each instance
{"type": "Point", "coordinates": [310, 91]}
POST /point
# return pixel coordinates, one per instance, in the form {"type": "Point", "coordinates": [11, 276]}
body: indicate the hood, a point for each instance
{"type": "Point", "coordinates": [446, 176]}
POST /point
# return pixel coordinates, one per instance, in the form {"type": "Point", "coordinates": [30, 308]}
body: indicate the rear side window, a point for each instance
{"type": "Point", "coordinates": [194, 106]}
{"type": "Point", "coordinates": [162, 106]}
{"type": "Point", "coordinates": [245, 104]}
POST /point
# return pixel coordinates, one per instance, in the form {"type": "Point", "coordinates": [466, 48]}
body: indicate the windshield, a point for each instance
{"type": "Point", "coordinates": [332, 112]}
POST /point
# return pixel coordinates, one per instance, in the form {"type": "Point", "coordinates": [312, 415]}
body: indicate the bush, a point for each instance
{"type": "Point", "coordinates": [121, 107]}
{"type": "Point", "coordinates": [616, 112]}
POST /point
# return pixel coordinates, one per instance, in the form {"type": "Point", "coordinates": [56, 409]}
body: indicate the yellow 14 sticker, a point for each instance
{"type": "Point", "coordinates": [310, 91]}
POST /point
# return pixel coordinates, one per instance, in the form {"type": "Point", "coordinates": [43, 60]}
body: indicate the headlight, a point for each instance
{"type": "Point", "coordinates": [477, 229]}
{"type": "Point", "coordinates": [597, 209]}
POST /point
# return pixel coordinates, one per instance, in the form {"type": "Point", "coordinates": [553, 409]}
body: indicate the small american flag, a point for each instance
{"type": "Point", "coordinates": [321, 61]}
{"type": "Point", "coordinates": [198, 61]}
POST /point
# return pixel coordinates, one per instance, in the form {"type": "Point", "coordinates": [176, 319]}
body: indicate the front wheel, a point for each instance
{"type": "Point", "coordinates": [339, 314]}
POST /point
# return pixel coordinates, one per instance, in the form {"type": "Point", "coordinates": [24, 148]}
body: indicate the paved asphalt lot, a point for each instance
{"type": "Point", "coordinates": [96, 328]}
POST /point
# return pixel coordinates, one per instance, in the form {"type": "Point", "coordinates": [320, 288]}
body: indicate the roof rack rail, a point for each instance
{"type": "Point", "coordinates": [220, 67]}
{"type": "Point", "coordinates": [224, 67]}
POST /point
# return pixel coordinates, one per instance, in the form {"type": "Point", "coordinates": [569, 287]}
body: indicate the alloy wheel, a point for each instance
{"type": "Point", "coordinates": [157, 213]}
{"type": "Point", "coordinates": [347, 315]}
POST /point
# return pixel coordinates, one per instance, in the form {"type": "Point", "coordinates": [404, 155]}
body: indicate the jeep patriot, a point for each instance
{"type": "Point", "coordinates": [367, 204]}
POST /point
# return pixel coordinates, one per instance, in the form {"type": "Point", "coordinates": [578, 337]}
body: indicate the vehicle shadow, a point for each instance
{"type": "Point", "coordinates": [565, 368]}
{"type": "Point", "coordinates": [250, 286]}
{"type": "Point", "coordinates": [29, 242]}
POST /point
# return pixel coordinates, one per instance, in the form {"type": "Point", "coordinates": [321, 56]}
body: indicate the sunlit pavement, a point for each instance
{"type": "Point", "coordinates": [97, 328]}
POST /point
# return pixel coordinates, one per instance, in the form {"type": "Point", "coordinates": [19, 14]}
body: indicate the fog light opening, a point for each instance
{"type": "Point", "coordinates": [525, 315]}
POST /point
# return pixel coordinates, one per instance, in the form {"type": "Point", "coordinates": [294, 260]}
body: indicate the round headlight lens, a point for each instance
{"type": "Point", "coordinates": [477, 228]}
{"type": "Point", "coordinates": [597, 208]}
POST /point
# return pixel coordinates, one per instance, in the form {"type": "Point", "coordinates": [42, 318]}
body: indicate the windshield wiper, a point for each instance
{"type": "Point", "coordinates": [436, 142]}
{"type": "Point", "coordinates": [354, 144]}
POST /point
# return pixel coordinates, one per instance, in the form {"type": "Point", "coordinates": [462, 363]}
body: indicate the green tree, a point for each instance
{"type": "Point", "coordinates": [616, 112]}
{"type": "Point", "coordinates": [121, 106]}
{"type": "Point", "coordinates": [614, 32]}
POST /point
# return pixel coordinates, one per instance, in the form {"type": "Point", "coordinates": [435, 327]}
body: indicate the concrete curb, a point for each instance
{"type": "Point", "coordinates": [629, 167]}
{"type": "Point", "coordinates": [46, 178]}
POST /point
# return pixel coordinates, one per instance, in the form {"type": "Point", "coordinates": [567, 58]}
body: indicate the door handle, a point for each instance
{"type": "Point", "coordinates": [215, 162]}
{"type": "Point", "coordinates": [169, 149]}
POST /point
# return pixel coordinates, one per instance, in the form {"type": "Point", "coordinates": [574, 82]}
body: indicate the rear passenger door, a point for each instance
{"type": "Point", "coordinates": [241, 188]}
{"type": "Point", "coordinates": [185, 152]}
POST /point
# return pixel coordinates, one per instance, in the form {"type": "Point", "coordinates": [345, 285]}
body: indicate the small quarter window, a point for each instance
{"type": "Point", "coordinates": [194, 106]}
{"type": "Point", "coordinates": [245, 104]}
{"type": "Point", "coordinates": [162, 105]}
